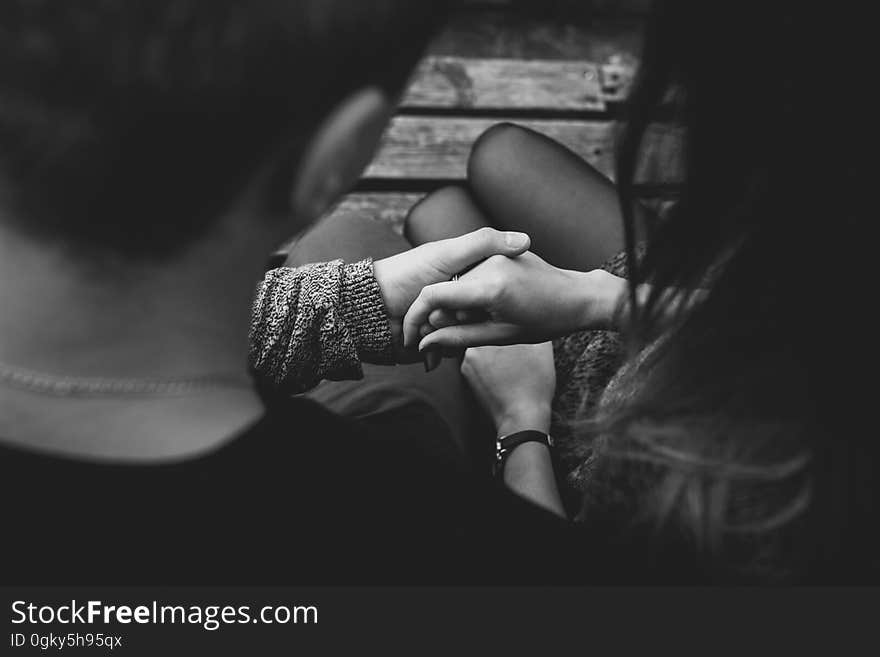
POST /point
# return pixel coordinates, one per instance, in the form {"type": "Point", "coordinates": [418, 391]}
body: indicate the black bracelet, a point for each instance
{"type": "Point", "coordinates": [505, 444]}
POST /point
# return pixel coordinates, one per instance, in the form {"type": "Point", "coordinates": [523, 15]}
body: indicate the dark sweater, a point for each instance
{"type": "Point", "coordinates": [303, 496]}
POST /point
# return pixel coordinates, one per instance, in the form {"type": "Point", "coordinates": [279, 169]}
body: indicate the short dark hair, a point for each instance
{"type": "Point", "coordinates": [127, 125]}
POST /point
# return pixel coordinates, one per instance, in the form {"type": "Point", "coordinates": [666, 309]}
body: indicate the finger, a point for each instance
{"type": "Point", "coordinates": [470, 316]}
{"type": "Point", "coordinates": [458, 253]}
{"type": "Point", "coordinates": [440, 318]}
{"type": "Point", "coordinates": [426, 328]}
{"type": "Point", "coordinates": [458, 294]}
{"type": "Point", "coordinates": [470, 335]}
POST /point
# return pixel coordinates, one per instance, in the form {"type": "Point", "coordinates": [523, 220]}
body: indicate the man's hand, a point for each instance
{"type": "Point", "coordinates": [402, 277]}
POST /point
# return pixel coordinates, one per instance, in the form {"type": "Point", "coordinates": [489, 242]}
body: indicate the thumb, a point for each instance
{"type": "Point", "coordinates": [458, 253]}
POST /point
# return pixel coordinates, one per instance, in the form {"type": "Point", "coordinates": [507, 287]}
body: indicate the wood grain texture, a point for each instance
{"type": "Point", "coordinates": [532, 63]}
{"type": "Point", "coordinates": [490, 83]}
{"type": "Point", "coordinates": [612, 44]}
{"type": "Point", "coordinates": [429, 147]}
{"type": "Point", "coordinates": [509, 35]}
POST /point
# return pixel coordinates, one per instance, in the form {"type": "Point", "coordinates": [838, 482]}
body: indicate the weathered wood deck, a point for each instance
{"type": "Point", "coordinates": [493, 64]}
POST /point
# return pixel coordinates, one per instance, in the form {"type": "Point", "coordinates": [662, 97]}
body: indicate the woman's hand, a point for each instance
{"type": "Point", "coordinates": [403, 276]}
{"type": "Point", "coordinates": [512, 300]}
{"type": "Point", "coordinates": [514, 384]}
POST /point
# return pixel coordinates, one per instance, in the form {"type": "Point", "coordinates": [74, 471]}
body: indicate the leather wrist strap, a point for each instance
{"type": "Point", "coordinates": [505, 444]}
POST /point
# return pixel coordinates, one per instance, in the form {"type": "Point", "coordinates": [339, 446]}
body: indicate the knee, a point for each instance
{"type": "Point", "coordinates": [494, 151]}
{"type": "Point", "coordinates": [349, 236]}
{"type": "Point", "coordinates": [428, 220]}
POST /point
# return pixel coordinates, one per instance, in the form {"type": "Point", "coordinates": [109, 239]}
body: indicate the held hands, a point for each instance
{"type": "Point", "coordinates": [508, 300]}
{"type": "Point", "coordinates": [403, 276]}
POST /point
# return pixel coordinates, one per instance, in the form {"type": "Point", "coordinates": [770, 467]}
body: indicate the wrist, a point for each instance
{"type": "Point", "coordinates": [521, 459]}
{"type": "Point", "coordinates": [384, 282]}
{"type": "Point", "coordinates": [535, 417]}
{"type": "Point", "coordinates": [599, 294]}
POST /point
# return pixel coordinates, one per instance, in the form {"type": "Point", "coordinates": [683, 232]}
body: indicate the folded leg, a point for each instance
{"type": "Point", "coordinates": [521, 180]}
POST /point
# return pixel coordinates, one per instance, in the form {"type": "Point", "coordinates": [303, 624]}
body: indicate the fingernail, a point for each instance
{"type": "Point", "coordinates": [515, 240]}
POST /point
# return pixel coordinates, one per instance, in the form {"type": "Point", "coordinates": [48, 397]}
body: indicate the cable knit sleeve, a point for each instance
{"type": "Point", "coordinates": [317, 322]}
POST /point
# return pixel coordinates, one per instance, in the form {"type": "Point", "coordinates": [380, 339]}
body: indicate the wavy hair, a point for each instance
{"type": "Point", "coordinates": [739, 431]}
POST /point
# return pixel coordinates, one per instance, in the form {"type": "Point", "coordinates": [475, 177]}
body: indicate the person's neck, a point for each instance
{"type": "Point", "coordinates": [184, 318]}
{"type": "Point", "coordinates": [180, 319]}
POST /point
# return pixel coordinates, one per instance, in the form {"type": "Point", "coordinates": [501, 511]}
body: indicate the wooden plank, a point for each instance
{"type": "Point", "coordinates": [613, 45]}
{"type": "Point", "coordinates": [509, 35]}
{"type": "Point", "coordinates": [476, 83]}
{"type": "Point", "coordinates": [423, 147]}
{"type": "Point", "coordinates": [617, 76]}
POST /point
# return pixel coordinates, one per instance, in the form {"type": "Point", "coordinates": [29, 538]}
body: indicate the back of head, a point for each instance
{"type": "Point", "coordinates": [126, 126]}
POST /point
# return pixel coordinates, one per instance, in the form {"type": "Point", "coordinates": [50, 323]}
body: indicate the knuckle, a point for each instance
{"type": "Point", "coordinates": [496, 262]}
{"type": "Point", "coordinates": [485, 235]}
{"type": "Point", "coordinates": [426, 297]}
{"type": "Point", "coordinates": [457, 340]}
{"type": "Point", "coordinates": [495, 287]}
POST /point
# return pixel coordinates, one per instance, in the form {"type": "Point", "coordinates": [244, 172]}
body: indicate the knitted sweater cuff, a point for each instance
{"type": "Point", "coordinates": [365, 315]}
